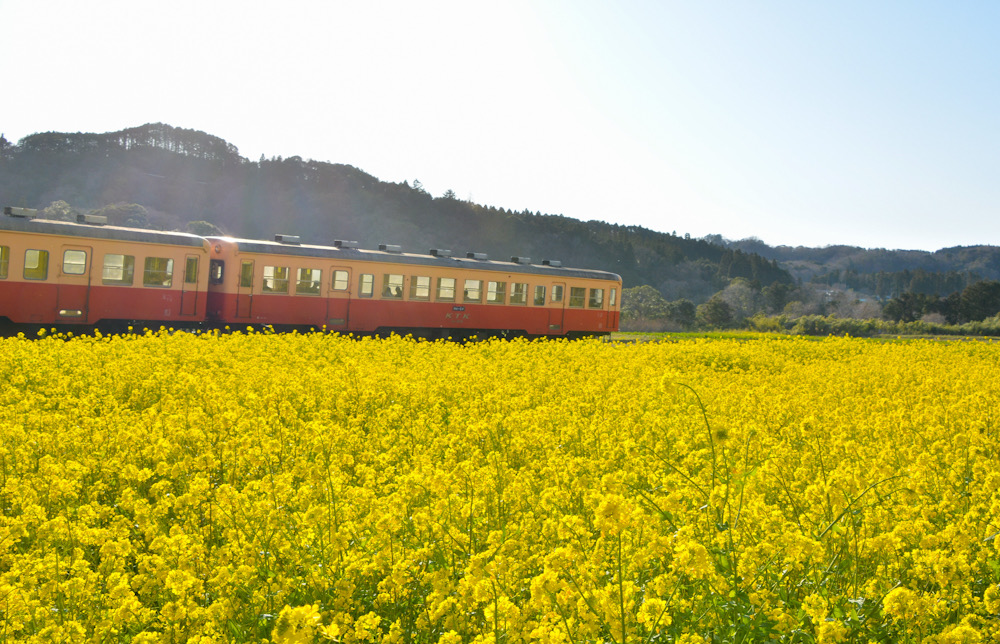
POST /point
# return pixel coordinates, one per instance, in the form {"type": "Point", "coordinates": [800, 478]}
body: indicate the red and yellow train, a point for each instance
{"type": "Point", "coordinates": [89, 274]}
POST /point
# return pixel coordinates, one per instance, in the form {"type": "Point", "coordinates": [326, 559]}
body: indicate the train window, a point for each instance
{"type": "Point", "coordinates": [158, 271]}
{"type": "Point", "coordinates": [392, 286]}
{"type": "Point", "coordinates": [577, 296]}
{"type": "Point", "coordinates": [473, 291]}
{"type": "Point", "coordinates": [539, 296]}
{"type": "Point", "coordinates": [518, 293]}
{"type": "Point", "coordinates": [216, 271]}
{"type": "Point", "coordinates": [557, 292]}
{"type": "Point", "coordinates": [275, 279]}
{"type": "Point", "coordinates": [246, 275]}
{"type": "Point", "coordinates": [596, 300]}
{"type": "Point", "coordinates": [496, 292]}
{"type": "Point", "coordinates": [367, 285]}
{"type": "Point", "coordinates": [118, 269]}
{"type": "Point", "coordinates": [191, 270]}
{"type": "Point", "coordinates": [340, 280]}
{"type": "Point", "coordinates": [309, 281]}
{"type": "Point", "coordinates": [36, 264]}
{"type": "Point", "coordinates": [446, 289]}
{"type": "Point", "coordinates": [420, 288]}
{"type": "Point", "coordinates": [74, 262]}
{"type": "Point", "coordinates": [4, 261]}
{"type": "Point", "coordinates": [614, 297]}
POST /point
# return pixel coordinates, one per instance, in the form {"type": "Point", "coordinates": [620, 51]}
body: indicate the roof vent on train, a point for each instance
{"type": "Point", "coordinates": [472, 255]}
{"type": "Point", "coordinates": [288, 239]}
{"type": "Point", "coordinates": [441, 252]}
{"type": "Point", "coordinates": [25, 213]}
{"type": "Point", "coordinates": [390, 248]}
{"type": "Point", "coordinates": [340, 243]}
{"type": "Point", "coordinates": [520, 260]}
{"type": "Point", "coordinates": [551, 262]}
{"type": "Point", "coordinates": [93, 220]}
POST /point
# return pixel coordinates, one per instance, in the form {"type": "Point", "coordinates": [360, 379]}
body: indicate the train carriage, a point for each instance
{"type": "Point", "coordinates": [88, 273]}
{"type": "Point", "coordinates": [344, 288]}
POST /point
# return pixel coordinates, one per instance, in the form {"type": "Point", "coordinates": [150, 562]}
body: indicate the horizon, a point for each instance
{"type": "Point", "coordinates": [821, 125]}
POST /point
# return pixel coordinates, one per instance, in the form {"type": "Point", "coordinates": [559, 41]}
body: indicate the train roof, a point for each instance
{"type": "Point", "coordinates": [348, 252]}
{"type": "Point", "coordinates": [94, 231]}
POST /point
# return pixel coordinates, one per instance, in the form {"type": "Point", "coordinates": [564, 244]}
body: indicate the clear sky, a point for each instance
{"type": "Point", "coordinates": [803, 123]}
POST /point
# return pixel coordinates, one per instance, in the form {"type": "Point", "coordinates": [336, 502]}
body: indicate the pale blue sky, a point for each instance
{"type": "Point", "coordinates": [802, 123]}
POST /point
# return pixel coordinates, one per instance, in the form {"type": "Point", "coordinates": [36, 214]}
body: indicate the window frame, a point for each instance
{"type": "Point", "coordinates": [276, 280]}
{"type": "Point", "coordinates": [420, 288]}
{"type": "Point", "coordinates": [539, 295]}
{"type": "Point", "coordinates": [191, 270]}
{"type": "Point", "coordinates": [441, 289]}
{"type": "Point", "coordinates": [577, 297]}
{"type": "Point", "coordinates": [4, 261]}
{"type": "Point", "coordinates": [496, 292]}
{"type": "Point", "coordinates": [392, 286]}
{"type": "Point", "coordinates": [366, 285]}
{"type": "Point", "coordinates": [518, 290]}
{"type": "Point", "coordinates": [126, 270]}
{"type": "Point", "coordinates": [340, 277]}
{"type": "Point", "coordinates": [595, 298]}
{"type": "Point", "coordinates": [472, 291]}
{"type": "Point", "coordinates": [149, 271]}
{"type": "Point", "coordinates": [40, 271]}
{"type": "Point", "coordinates": [79, 268]}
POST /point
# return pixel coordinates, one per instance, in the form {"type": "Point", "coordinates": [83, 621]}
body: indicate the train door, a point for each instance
{"type": "Point", "coordinates": [244, 290]}
{"type": "Point", "coordinates": [73, 292]}
{"type": "Point", "coordinates": [338, 301]}
{"type": "Point", "coordinates": [557, 307]}
{"type": "Point", "coordinates": [189, 287]}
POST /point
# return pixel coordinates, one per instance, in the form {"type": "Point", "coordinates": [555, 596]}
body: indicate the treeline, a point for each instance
{"type": "Point", "coordinates": [975, 310]}
{"type": "Point", "coordinates": [884, 284]}
{"type": "Point", "coordinates": [179, 176]}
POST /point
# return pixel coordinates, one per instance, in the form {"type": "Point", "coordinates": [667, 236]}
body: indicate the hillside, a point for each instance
{"type": "Point", "coordinates": [179, 176]}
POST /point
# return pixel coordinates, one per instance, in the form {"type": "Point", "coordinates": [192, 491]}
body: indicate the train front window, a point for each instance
{"type": "Point", "coordinates": [340, 280]}
{"type": "Point", "coordinates": [367, 285]}
{"type": "Point", "coordinates": [4, 261]}
{"type": "Point", "coordinates": [309, 281]}
{"type": "Point", "coordinates": [118, 269]}
{"type": "Point", "coordinates": [191, 270]}
{"type": "Point", "coordinates": [446, 289]}
{"type": "Point", "coordinates": [473, 291]}
{"type": "Point", "coordinates": [496, 292]}
{"type": "Point", "coordinates": [275, 279]}
{"type": "Point", "coordinates": [158, 271]}
{"type": "Point", "coordinates": [596, 300]}
{"type": "Point", "coordinates": [216, 271]}
{"type": "Point", "coordinates": [74, 262]}
{"type": "Point", "coordinates": [614, 298]}
{"type": "Point", "coordinates": [392, 286]}
{"type": "Point", "coordinates": [36, 264]}
{"type": "Point", "coordinates": [420, 287]}
{"type": "Point", "coordinates": [577, 297]}
{"type": "Point", "coordinates": [539, 296]}
{"type": "Point", "coordinates": [518, 293]}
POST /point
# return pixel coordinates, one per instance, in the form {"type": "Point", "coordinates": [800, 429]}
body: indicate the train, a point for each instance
{"type": "Point", "coordinates": [87, 274]}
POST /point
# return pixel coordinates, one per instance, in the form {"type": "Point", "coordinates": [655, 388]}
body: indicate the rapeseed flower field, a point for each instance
{"type": "Point", "coordinates": [248, 487]}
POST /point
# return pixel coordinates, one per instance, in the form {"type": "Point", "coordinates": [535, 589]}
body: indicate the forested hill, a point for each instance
{"type": "Point", "coordinates": [167, 177]}
{"type": "Point", "coordinates": [881, 272]}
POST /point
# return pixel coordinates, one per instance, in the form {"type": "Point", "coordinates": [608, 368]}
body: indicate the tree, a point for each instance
{"type": "Point", "coordinates": [203, 229]}
{"type": "Point", "coordinates": [980, 300]}
{"type": "Point", "coordinates": [643, 303]}
{"type": "Point", "coordinates": [714, 313]}
{"type": "Point", "coordinates": [60, 210]}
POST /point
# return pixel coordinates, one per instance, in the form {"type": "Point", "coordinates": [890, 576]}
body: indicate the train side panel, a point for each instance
{"type": "Point", "coordinates": [57, 273]}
